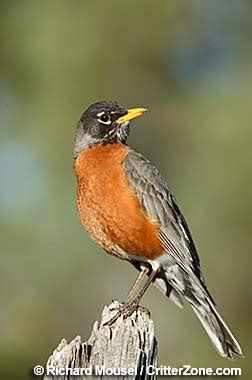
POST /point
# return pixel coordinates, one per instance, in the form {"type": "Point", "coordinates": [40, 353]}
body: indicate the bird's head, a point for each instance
{"type": "Point", "coordinates": [104, 122]}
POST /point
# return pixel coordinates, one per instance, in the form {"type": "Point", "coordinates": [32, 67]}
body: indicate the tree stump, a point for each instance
{"type": "Point", "coordinates": [128, 346]}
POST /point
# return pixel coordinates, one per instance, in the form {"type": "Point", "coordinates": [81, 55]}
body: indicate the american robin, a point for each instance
{"type": "Point", "coordinates": [127, 208]}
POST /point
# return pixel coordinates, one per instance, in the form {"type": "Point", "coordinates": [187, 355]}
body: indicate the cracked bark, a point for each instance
{"type": "Point", "coordinates": [129, 343]}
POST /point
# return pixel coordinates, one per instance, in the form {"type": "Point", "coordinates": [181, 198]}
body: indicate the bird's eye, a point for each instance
{"type": "Point", "coordinates": [104, 118]}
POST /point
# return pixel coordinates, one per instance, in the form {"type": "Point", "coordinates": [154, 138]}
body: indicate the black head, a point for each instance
{"type": "Point", "coordinates": [103, 123]}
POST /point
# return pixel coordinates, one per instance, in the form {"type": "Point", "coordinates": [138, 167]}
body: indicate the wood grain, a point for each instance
{"type": "Point", "coordinates": [128, 343]}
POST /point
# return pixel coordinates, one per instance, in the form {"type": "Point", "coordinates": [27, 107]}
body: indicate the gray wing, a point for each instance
{"type": "Point", "coordinates": [160, 205]}
{"type": "Point", "coordinates": [180, 266]}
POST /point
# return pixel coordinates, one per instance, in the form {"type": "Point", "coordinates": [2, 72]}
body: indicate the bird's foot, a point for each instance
{"type": "Point", "coordinates": [125, 310]}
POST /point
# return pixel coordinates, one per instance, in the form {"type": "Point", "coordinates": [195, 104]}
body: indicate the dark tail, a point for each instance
{"type": "Point", "coordinates": [223, 340]}
{"type": "Point", "coordinates": [203, 305]}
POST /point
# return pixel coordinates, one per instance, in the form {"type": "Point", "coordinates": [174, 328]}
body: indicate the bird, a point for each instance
{"type": "Point", "coordinates": [129, 210]}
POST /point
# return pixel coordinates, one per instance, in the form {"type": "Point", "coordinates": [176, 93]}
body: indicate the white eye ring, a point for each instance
{"type": "Point", "coordinates": [104, 118]}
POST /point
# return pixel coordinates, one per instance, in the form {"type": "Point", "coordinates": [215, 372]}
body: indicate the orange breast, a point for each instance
{"type": "Point", "coordinates": [108, 207]}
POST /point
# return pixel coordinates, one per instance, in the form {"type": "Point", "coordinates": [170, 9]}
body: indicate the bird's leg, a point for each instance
{"type": "Point", "coordinates": [136, 284]}
{"type": "Point", "coordinates": [149, 280]}
{"type": "Point", "coordinates": [129, 297]}
{"type": "Point", "coordinates": [129, 307]}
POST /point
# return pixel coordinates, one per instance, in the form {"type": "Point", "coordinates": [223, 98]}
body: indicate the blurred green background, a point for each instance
{"type": "Point", "coordinates": [190, 63]}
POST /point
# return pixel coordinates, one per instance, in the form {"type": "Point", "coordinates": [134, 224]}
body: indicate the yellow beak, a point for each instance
{"type": "Point", "coordinates": [133, 113]}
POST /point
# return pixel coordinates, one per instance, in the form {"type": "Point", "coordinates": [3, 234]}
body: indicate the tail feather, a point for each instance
{"type": "Point", "coordinates": [220, 335]}
{"type": "Point", "coordinates": [195, 291]}
{"type": "Point", "coordinates": [174, 284]}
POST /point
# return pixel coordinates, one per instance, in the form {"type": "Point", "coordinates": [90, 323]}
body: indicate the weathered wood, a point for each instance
{"type": "Point", "coordinates": [128, 344]}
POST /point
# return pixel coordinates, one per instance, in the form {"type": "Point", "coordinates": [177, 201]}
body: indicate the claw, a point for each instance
{"type": "Point", "coordinates": [126, 311]}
